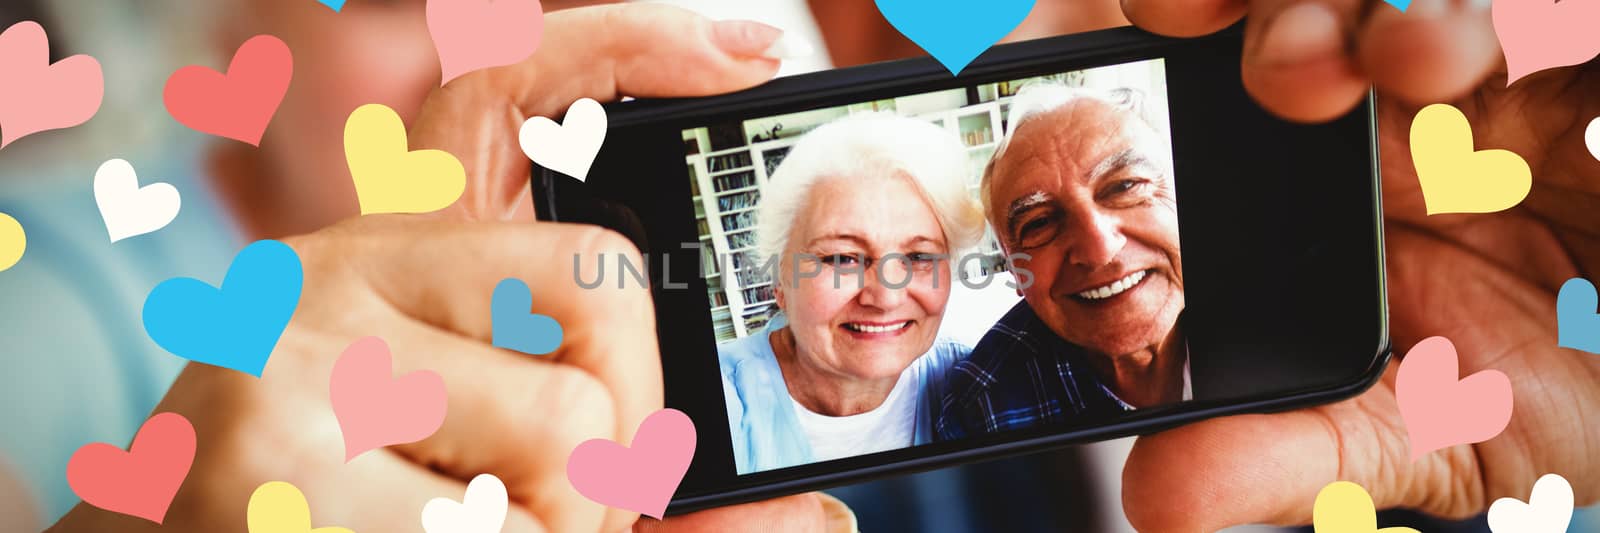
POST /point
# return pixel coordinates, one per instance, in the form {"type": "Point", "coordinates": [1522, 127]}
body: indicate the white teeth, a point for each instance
{"type": "Point", "coordinates": [1114, 288]}
{"type": "Point", "coordinates": [876, 329]}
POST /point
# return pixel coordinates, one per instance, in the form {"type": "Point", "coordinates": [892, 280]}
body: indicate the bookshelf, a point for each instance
{"type": "Point", "coordinates": [727, 190]}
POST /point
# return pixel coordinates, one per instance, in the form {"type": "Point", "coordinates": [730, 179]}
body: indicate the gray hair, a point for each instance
{"type": "Point", "coordinates": [872, 146]}
{"type": "Point", "coordinates": [1039, 99]}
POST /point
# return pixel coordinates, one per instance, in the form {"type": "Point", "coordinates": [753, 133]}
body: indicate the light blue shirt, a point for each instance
{"type": "Point", "coordinates": [766, 431]}
{"type": "Point", "coordinates": [78, 365]}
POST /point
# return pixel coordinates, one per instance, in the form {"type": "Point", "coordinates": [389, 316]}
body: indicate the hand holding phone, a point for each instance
{"type": "Point", "coordinates": [1487, 281]}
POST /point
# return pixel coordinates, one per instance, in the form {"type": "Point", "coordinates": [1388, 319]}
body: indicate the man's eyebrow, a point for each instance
{"type": "Point", "coordinates": [1127, 158]}
{"type": "Point", "coordinates": [1023, 204]}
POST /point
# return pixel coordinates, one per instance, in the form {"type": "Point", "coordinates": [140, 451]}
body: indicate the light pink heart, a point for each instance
{"type": "Point", "coordinates": [1542, 34]}
{"type": "Point", "coordinates": [38, 96]}
{"type": "Point", "coordinates": [477, 34]}
{"type": "Point", "coordinates": [377, 410]}
{"type": "Point", "coordinates": [141, 481]}
{"type": "Point", "coordinates": [1441, 411]}
{"type": "Point", "coordinates": [642, 478]}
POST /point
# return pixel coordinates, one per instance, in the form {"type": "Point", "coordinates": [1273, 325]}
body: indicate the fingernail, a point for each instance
{"type": "Point", "coordinates": [1303, 32]}
{"type": "Point", "coordinates": [789, 47]}
{"type": "Point", "coordinates": [744, 38]}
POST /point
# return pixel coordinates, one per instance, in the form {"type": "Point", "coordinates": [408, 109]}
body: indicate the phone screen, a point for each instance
{"type": "Point", "coordinates": [900, 271]}
{"type": "Point", "coordinates": [887, 268]}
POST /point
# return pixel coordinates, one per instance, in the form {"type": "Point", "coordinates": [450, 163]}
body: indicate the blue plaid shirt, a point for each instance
{"type": "Point", "coordinates": [1021, 375]}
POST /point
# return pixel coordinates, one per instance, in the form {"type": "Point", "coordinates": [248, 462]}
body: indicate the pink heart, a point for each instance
{"type": "Point", "coordinates": [1440, 411]}
{"type": "Point", "coordinates": [643, 478]}
{"type": "Point", "coordinates": [237, 105]}
{"type": "Point", "coordinates": [38, 96]}
{"type": "Point", "coordinates": [141, 481]}
{"type": "Point", "coordinates": [1541, 34]}
{"type": "Point", "coordinates": [478, 34]}
{"type": "Point", "coordinates": [375, 410]}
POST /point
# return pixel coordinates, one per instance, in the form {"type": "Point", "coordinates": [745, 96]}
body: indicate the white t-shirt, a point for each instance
{"type": "Point", "coordinates": [890, 426]}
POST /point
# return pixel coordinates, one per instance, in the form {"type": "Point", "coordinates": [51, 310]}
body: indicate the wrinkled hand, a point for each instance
{"type": "Point", "coordinates": [1486, 281]}
{"type": "Point", "coordinates": [424, 284]}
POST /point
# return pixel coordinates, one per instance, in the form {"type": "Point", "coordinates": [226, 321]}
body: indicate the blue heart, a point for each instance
{"type": "Point", "coordinates": [233, 327]}
{"type": "Point", "coordinates": [1399, 4]}
{"type": "Point", "coordinates": [1577, 325]}
{"type": "Point", "coordinates": [515, 327]}
{"type": "Point", "coordinates": [335, 4]}
{"type": "Point", "coordinates": [955, 31]}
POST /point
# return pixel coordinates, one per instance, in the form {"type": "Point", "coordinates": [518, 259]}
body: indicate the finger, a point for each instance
{"type": "Point", "coordinates": [384, 492]}
{"type": "Point", "coordinates": [601, 52]}
{"type": "Point", "coordinates": [1297, 62]}
{"type": "Point", "coordinates": [801, 513]}
{"type": "Point", "coordinates": [444, 274]}
{"type": "Point", "coordinates": [1183, 18]}
{"type": "Point", "coordinates": [1435, 51]}
{"type": "Point", "coordinates": [1269, 468]}
{"type": "Point", "coordinates": [510, 415]}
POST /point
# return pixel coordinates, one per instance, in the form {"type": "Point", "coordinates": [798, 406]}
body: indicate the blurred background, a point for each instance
{"type": "Point", "coordinates": [140, 42]}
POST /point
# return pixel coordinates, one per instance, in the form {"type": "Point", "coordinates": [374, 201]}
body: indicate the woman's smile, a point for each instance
{"type": "Point", "coordinates": [876, 330]}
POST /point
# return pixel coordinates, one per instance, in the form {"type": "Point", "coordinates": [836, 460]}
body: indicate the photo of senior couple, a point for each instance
{"type": "Point", "coordinates": [943, 265]}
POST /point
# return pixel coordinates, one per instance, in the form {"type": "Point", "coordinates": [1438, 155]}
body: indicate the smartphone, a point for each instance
{"type": "Point", "coordinates": [1090, 204]}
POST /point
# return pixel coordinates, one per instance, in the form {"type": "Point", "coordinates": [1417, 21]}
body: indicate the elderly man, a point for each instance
{"type": "Point", "coordinates": [1082, 189]}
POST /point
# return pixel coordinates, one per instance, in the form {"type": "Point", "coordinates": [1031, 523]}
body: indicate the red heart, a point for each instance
{"type": "Point", "coordinates": [142, 481]}
{"type": "Point", "coordinates": [237, 105]}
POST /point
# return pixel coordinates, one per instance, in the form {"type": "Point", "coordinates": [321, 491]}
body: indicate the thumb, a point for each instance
{"type": "Point", "coordinates": [601, 52]}
{"type": "Point", "coordinates": [809, 513]}
{"type": "Point", "coordinates": [1269, 468]}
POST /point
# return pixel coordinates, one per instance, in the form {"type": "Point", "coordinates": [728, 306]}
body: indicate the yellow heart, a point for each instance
{"type": "Point", "coordinates": [13, 241]}
{"type": "Point", "coordinates": [278, 507]}
{"type": "Point", "coordinates": [1456, 179]}
{"type": "Point", "coordinates": [1345, 507]}
{"type": "Point", "coordinates": [390, 179]}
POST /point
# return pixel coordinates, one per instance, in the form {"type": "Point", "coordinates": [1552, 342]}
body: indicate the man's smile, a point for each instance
{"type": "Point", "coordinates": [1113, 288]}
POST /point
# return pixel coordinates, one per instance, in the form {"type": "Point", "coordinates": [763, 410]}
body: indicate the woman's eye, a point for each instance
{"type": "Point", "coordinates": [923, 261]}
{"type": "Point", "coordinates": [840, 259]}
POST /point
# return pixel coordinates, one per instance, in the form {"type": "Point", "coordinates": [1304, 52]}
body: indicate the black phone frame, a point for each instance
{"type": "Point", "coordinates": [636, 124]}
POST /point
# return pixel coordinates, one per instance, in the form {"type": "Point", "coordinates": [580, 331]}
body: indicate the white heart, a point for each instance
{"type": "Point", "coordinates": [1591, 138]}
{"type": "Point", "coordinates": [130, 210]}
{"type": "Point", "coordinates": [1549, 508]}
{"type": "Point", "coordinates": [483, 509]}
{"type": "Point", "coordinates": [569, 147]}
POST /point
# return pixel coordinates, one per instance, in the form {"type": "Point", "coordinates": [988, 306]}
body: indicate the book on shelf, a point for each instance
{"type": "Point", "coordinates": [729, 182]}
{"type": "Point", "coordinates": [738, 201]}
{"type": "Point", "coordinates": [738, 221]}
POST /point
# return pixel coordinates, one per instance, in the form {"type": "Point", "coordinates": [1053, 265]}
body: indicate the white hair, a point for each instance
{"type": "Point", "coordinates": [1042, 98]}
{"type": "Point", "coordinates": [872, 146]}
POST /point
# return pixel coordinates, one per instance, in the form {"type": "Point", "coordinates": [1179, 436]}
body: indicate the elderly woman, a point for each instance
{"type": "Point", "coordinates": [1083, 188]}
{"type": "Point", "coordinates": [862, 217]}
